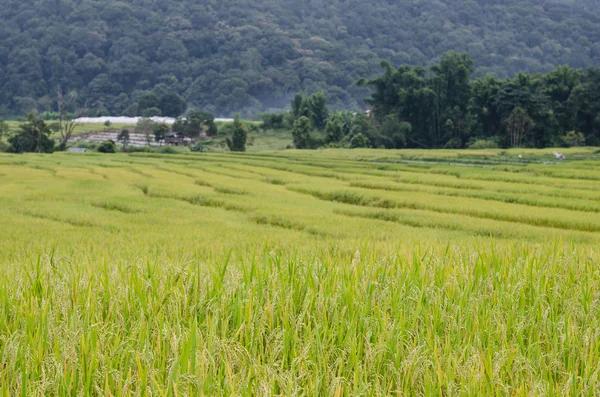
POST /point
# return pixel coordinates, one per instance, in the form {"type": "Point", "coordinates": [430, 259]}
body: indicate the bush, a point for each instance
{"type": "Point", "coordinates": [359, 141]}
{"type": "Point", "coordinates": [273, 121]}
{"type": "Point", "coordinates": [237, 143]}
{"type": "Point", "coordinates": [138, 149]}
{"type": "Point", "coordinates": [483, 144]}
{"type": "Point", "coordinates": [33, 136]}
{"type": "Point", "coordinates": [301, 133]}
{"type": "Point", "coordinates": [572, 139]}
{"type": "Point", "coordinates": [200, 147]}
{"type": "Point", "coordinates": [107, 147]}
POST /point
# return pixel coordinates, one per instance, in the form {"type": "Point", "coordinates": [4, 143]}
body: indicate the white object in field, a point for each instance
{"type": "Point", "coordinates": [77, 150]}
{"type": "Point", "coordinates": [133, 120]}
{"type": "Point", "coordinates": [559, 156]}
{"type": "Point", "coordinates": [520, 156]}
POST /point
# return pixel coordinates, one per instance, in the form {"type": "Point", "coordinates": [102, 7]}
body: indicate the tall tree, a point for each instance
{"type": "Point", "coordinates": [239, 136]}
{"type": "Point", "coordinates": [33, 136]}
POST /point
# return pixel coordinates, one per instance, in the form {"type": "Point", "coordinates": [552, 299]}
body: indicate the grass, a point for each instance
{"type": "Point", "coordinates": [335, 272]}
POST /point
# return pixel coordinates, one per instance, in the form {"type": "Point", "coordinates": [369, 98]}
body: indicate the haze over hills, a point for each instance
{"type": "Point", "coordinates": [251, 56]}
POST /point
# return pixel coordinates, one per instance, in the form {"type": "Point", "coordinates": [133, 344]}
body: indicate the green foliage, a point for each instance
{"type": "Point", "coordinates": [196, 122]}
{"type": "Point", "coordinates": [123, 137]}
{"type": "Point", "coordinates": [172, 105]}
{"type": "Point", "coordinates": [573, 139]}
{"type": "Point", "coordinates": [359, 141]}
{"type": "Point", "coordinates": [145, 126]}
{"type": "Point", "coordinates": [227, 57]}
{"type": "Point", "coordinates": [317, 104]}
{"type": "Point", "coordinates": [483, 144]}
{"type": "Point", "coordinates": [160, 131]}
{"type": "Point", "coordinates": [239, 136]}
{"type": "Point", "coordinates": [107, 146]}
{"type": "Point", "coordinates": [4, 129]}
{"type": "Point", "coordinates": [301, 133]}
{"type": "Point", "coordinates": [445, 108]}
{"type": "Point", "coordinates": [273, 121]}
{"type": "Point", "coordinates": [334, 130]}
{"type": "Point", "coordinates": [32, 136]}
{"type": "Point", "coordinates": [313, 108]}
{"type": "Point", "coordinates": [151, 112]}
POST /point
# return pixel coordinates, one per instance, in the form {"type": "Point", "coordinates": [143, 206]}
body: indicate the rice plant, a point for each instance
{"type": "Point", "coordinates": [339, 273]}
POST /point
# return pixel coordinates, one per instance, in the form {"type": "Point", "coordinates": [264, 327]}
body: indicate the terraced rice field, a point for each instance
{"type": "Point", "coordinates": [331, 272]}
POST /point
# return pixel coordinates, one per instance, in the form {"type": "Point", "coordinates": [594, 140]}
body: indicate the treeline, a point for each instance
{"type": "Point", "coordinates": [144, 57]}
{"type": "Point", "coordinates": [197, 131]}
{"type": "Point", "coordinates": [444, 107]}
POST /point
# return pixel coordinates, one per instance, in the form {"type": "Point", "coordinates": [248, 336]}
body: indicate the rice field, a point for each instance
{"type": "Point", "coordinates": [330, 272]}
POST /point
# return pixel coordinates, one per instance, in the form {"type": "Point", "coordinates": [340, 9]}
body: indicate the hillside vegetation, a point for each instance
{"type": "Point", "coordinates": [251, 56]}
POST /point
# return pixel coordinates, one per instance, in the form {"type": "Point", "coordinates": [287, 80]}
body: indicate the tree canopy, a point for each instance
{"type": "Point", "coordinates": [442, 106]}
{"type": "Point", "coordinates": [143, 57]}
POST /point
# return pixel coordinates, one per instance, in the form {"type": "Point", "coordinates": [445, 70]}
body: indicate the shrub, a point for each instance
{"type": "Point", "coordinates": [358, 141]}
{"type": "Point", "coordinates": [237, 143]}
{"type": "Point", "coordinates": [573, 138]}
{"type": "Point", "coordinates": [107, 147]}
{"type": "Point", "coordinates": [483, 144]}
{"type": "Point", "coordinates": [33, 136]}
{"type": "Point", "coordinates": [167, 150]}
{"type": "Point", "coordinates": [301, 133]}
{"type": "Point", "coordinates": [273, 121]}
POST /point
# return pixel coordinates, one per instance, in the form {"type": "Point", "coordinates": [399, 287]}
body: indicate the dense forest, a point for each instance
{"type": "Point", "coordinates": [443, 106]}
{"type": "Point", "coordinates": [149, 57]}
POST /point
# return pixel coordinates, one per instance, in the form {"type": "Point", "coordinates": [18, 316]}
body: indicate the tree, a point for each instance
{"type": "Point", "coordinates": [359, 141]}
{"type": "Point", "coordinates": [172, 105]}
{"type": "Point", "coordinates": [107, 147]}
{"type": "Point", "coordinates": [518, 125]}
{"type": "Point", "coordinates": [147, 100]}
{"type": "Point", "coordinates": [33, 136]}
{"type": "Point", "coordinates": [297, 105]}
{"type": "Point", "coordinates": [237, 143]}
{"type": "Point", "coordinates": [67, 125]}
{"type": "Point", "coordinates": [151, 112]}
{"type": "Point", "coordinates": [301, 133]}
{"type": "Point", "coordinates": [573, 139]}
{"type": "Point", "coordinates": [145, 126]}
{"type": "Point", "coordinates": [123, 137]}
{"type": "Point", "coordinates": [160, 132]}
{"type": "Point", "coordinates": [3, 128]}
{"type": "Point", "coordinates": [334, 130]}
{"type": "Point", "coordinates": [103, 49]}
{"type": "Point", "coordinates": [395, 132]}
{"type": "Point", "coordinates": [317, 104]}
{"type": "Point", "coordinates": [196, 122]}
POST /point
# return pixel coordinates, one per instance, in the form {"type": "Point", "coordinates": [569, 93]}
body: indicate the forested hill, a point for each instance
{"type": "Point", "coordinates": [228, 56]}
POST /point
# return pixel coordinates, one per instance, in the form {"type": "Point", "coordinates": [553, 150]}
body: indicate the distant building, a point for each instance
{"type": "Point", "coordinates": [77, 150]}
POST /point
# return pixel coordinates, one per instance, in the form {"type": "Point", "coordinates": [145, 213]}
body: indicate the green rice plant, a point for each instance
{"type": "Point", "coordinates": [335, 272]}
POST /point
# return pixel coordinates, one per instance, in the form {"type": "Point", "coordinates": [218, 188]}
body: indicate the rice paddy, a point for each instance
{"type": "Point", "coordinates": [331, 272]}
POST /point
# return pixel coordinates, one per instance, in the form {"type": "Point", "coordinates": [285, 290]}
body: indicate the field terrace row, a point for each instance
{"type": "Point", "coordinates": [287, 199]}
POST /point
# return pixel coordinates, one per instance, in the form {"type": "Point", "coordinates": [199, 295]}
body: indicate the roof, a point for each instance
{"type": "Point", "coordinates": [77, 150]}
